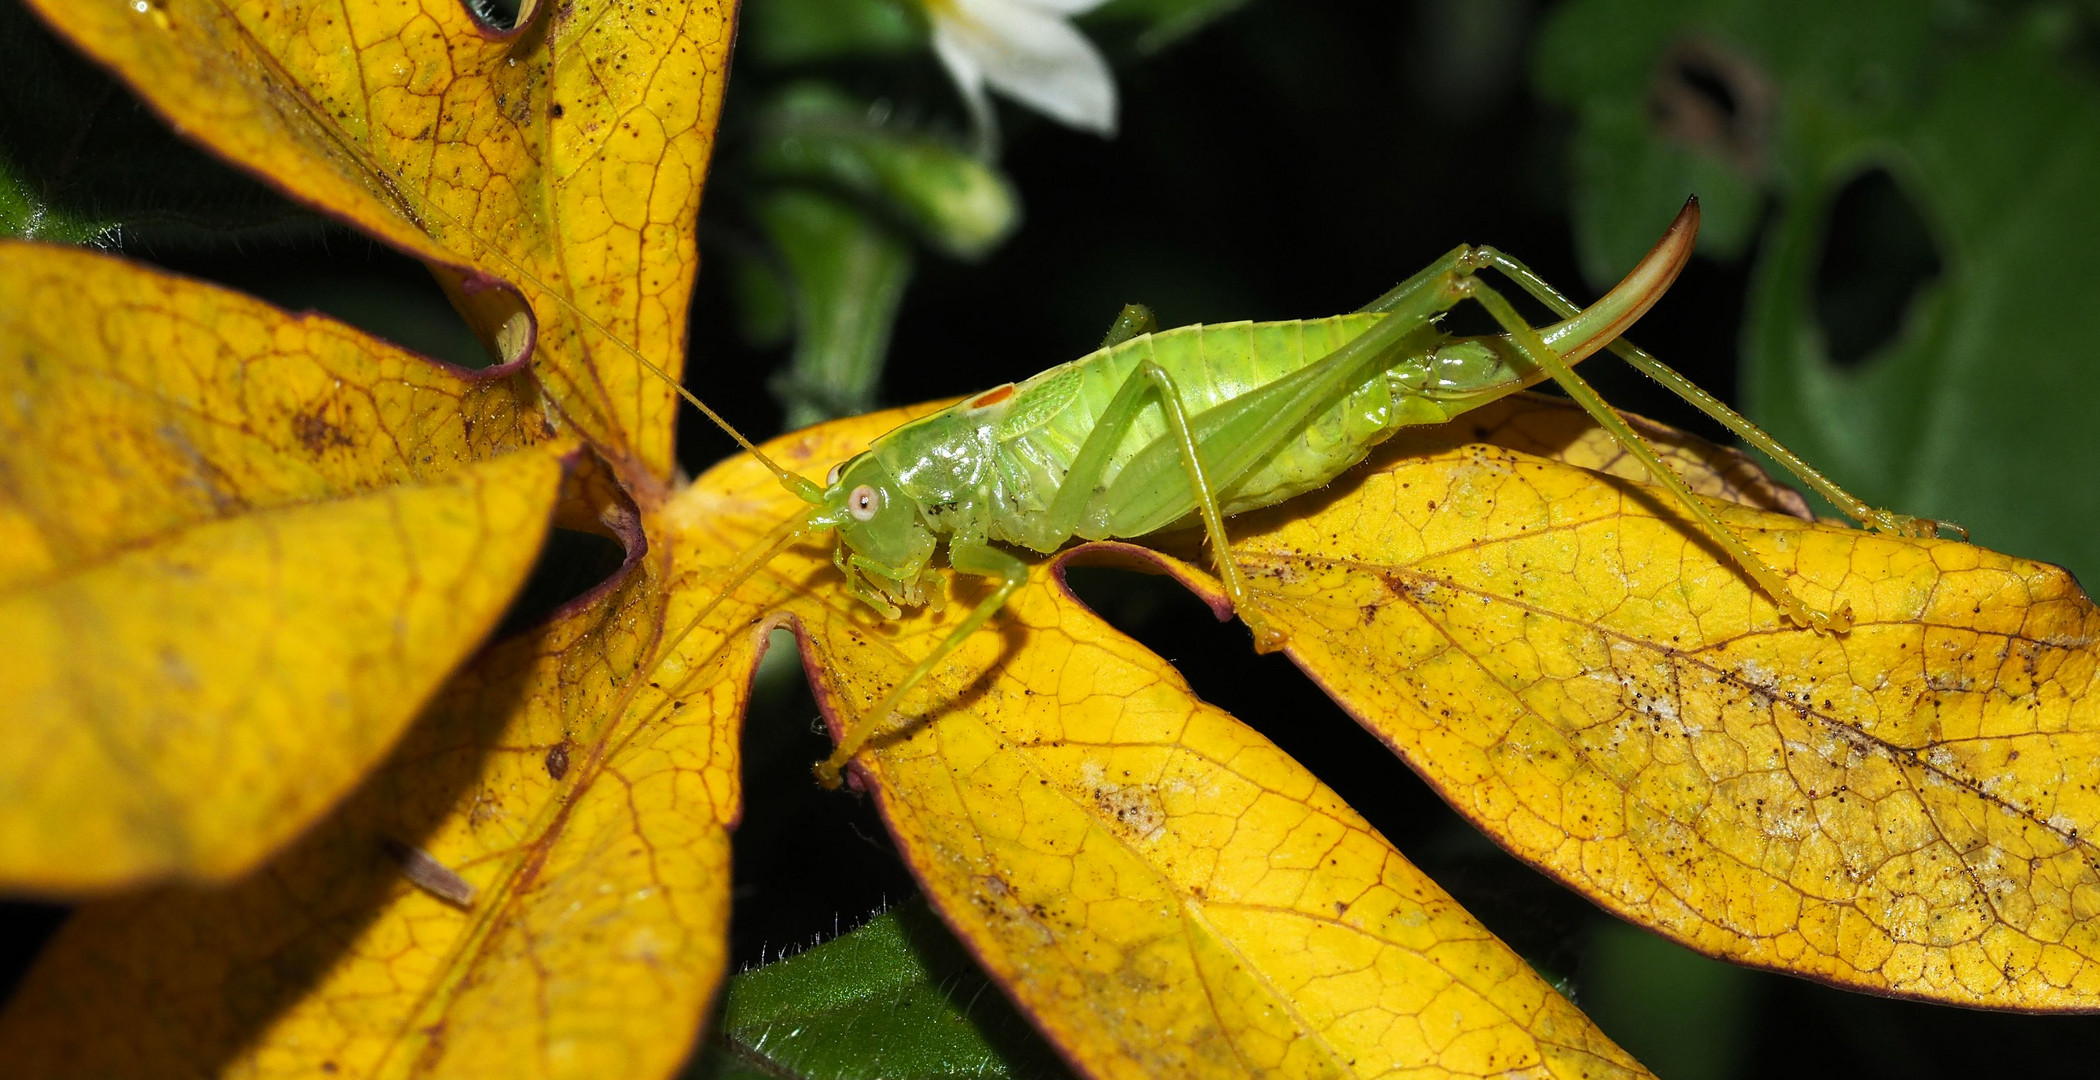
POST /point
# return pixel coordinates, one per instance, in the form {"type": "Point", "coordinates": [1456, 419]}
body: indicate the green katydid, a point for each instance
{"type": "Point", "coordinates": [1187, 426]}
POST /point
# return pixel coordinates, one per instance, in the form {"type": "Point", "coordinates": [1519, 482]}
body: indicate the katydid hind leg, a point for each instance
{"type": "Point", "coordinates": [1451, 261]}
{"type": "Point", "coordinates": [1594, 327]}
{"type": "Point", "coordinates": [1535, 351]}
{"type": "Point", "coordinates": [1083, 481]}
{"type": "Point", "coordinates": [1698, 397]}
{"type": "Point", "coordinates": [977, 559]}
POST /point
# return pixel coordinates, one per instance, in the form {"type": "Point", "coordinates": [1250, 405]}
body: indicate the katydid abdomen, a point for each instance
{"type": "Point", "coordinates": [994, 465]}
{"type": "Point", "coordinates": [991, 466]}
{"type": "Point", "coordinates": [1418, 381]}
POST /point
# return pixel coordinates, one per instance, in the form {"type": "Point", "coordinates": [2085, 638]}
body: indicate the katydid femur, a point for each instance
{"type": "Point", "coordinates": [1158, 430]}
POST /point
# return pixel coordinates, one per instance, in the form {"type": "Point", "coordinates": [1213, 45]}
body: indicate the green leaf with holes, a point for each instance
{"type": "Point", "coordinates": [896, 998]}
{"type": "Point", "coordinates": [1924, 177]}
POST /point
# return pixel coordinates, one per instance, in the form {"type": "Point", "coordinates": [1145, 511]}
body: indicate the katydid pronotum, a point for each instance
{"type": "Point", "coordinates": [1162, 429]}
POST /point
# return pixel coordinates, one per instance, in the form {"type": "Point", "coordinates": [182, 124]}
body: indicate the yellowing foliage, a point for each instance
{"type": "Point", "coordinates": [563, 158]}
{"type": "Point", "coordinates": [1907, 808]}
{"type": "Point", "coordinates": [1163, 890]}
{"type": "Point", "coordinates": [241, 550]}
{"type": "Point", "coordinates": [238, 550]}
{"type": "Point", "coordinates": [591, 820]}
{"type": "Point", "coordinates": [1126, 860]}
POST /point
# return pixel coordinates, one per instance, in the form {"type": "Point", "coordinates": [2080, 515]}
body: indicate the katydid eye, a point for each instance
{"type": "Point", "coordinates": [864, 503]}
{"type": "Point", "coordinates": [833, 477]}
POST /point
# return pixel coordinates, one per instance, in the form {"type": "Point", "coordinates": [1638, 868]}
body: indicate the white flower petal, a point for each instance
{"type": "Point", "coordinates": [969, 81]}
{"type": "Point", "coordinates": [1029, 53]}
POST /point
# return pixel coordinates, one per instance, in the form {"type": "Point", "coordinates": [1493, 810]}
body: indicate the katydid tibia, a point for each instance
{"type": "Point", "coordinates": [1159, 429]}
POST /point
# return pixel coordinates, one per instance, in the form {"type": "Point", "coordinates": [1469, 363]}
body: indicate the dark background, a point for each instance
{"type": "Point", "coordinates": [1294, 159]}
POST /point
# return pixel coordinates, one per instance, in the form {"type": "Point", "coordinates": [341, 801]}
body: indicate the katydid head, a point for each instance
{"type": "Point", "coordinates": [884, 545]}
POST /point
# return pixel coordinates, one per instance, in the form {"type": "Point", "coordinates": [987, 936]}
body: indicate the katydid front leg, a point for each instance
{"type": "Point", "coordinates": [978, 559]}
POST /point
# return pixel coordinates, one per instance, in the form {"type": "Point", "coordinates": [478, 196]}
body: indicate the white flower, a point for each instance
{"type": "Point", "coordinates": [1027, 51]}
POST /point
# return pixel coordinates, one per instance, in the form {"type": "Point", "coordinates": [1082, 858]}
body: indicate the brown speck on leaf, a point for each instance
{"type": "Point", "coordinates": [558, 761]}
{"type": "Point", "coordinates": [317, 433]}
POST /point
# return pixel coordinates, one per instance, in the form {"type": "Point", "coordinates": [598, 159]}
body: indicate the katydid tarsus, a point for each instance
{"type": "Point", "coordinates": [1161, 429]}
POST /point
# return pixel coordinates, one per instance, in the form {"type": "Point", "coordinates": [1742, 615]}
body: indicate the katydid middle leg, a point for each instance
{"type": "Point", "coordinates": [1083, 482]}
{"type": "Point", "coordinates": [1225, 442]}
{"type": "Point", "coordinates": [975, 558]}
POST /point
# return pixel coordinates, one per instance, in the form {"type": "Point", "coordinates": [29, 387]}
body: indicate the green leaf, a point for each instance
{"type": "Point", "coordinates": [951, 199]}
{"type": "Point", "coordinates": [895, 998]}
{"type": "Point", "coordinates": [1978, 409]}
{"type": "Point", "coordinates": [81, 162]}
{"type": "Point", "coordinates": [1686, 1016]}
{"type": "Point", "coordinates": [1609, 67]}
{"type": "Point", "coordinates": [846, 274]}
{"type": "Point", "coordinates": [764, 309]}
{"type": "Point", "coordinates": [25, 213]}
{"type": "Point", "coordinates": [783, 32]}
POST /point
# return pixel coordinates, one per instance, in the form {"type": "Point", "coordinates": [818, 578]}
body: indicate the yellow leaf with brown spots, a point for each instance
{"type": "Point", "coordinates": [238, 551]}
{"type": "Point", "coordinates": [1907, 808]}
{"type": "Point", "coordinates": [1557, 428]}
{"type": "Point", "coordinates": [1159, 887]}
{"type": "Point", "coordinates": [579, 823]}
{"type": "Point", "coordinates": [1163, 891]}
{"type": "Point", "coordinates": [559, 163]}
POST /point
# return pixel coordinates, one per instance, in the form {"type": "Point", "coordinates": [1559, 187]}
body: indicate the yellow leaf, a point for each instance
{"type": "Point", "coordinates": [238, 551]}
{"type": "Point", "coordinates": [1163, 890]}
{"type": "Point", "coordinates": [1907, 808]}
{"type": "Point", "coordinates": [561, 162]}
{"type": "Point", "coordinates": [1556, 428]}
{"type": "Point", "coordinates": [590, 820]}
